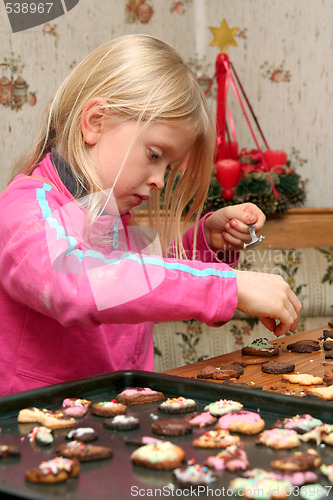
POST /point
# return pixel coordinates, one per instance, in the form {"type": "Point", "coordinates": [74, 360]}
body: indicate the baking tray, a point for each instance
{"type": "Point", "coordinates": [117, 478]}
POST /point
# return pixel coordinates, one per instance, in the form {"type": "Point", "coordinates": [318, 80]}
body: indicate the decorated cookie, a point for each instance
{"type": "Point", "coordinates": [322, 392]}
{"type": "Point", "coordinates": [73, 407]}
{"type": "Point", "coordinates": [304, 346]}
{"type": "Point", "coordinates": [56, 470]}
{"type": "Point", "coordinates": [279, 438]}
{"type": "Point", "coordinates": [84, 434]}
{"type": "Point", "coordinates": [277, 367]}
{"type": "Point", "coordinates": [139, 396]}
{"type": "Point", "coordinates": [142, 440]}
{"type": "Point", "coordinates": [108, 408]}
{"type": "Point", "coordinates": [194, 475]}
{"type": "Point", "coordinates": [299, 423]}
{"type": "Point", "coordinates": [302, 379]}
{"type": "Point", "coordinates": [83, 452]}
{"type": "Point", "coordinates": [52, 420]}
{"type": "Point", "coordinates": [245, 422]}
{"type": "Point", "coordinates": [41, 435]}
{"type": "Point", "coordinates": [320, 434]}
{"type": "Point", "coordinates": [164, 455]}
{"type": "Point", "coordinates": [178, 405]}
{"type": "Point", "coordinates": [217, 438]}
{"type": "Point", "coordinates": [327, 470]}
{"type": "Point", "coordinates": [267, 487]}
{"type": "Point", "coordinates": [310, 459]}
{"type": "Point", "coordinates": [295, 478]}
{"type": "Point", "coordinates": [7, 450]}
{"type": "Point", "coordinates": [222, 406]}
{"type": "Point", "coordinates": [171, 427]}
{"type": "Point", "coordinates": [122, 423]}
{"type": "Point", "coordinates": [202, 419]}
{"type": "Point", "coordinates": [232, 458]}
{"type": "Point", "coordinates": [260, 347]}
{"type": "Point", "coordinates": [223, 373]}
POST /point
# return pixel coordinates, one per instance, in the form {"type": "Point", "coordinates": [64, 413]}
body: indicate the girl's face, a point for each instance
{"type": "Point", "coordinates": [146, 151]}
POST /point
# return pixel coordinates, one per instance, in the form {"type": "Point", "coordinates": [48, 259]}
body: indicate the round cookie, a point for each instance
{"type": "Point", "coordinates": [194, 475]}
{"type": "Point", "coordinates": [298, 462]}
{"type": "Point", "coordinates": [299, 423]}
{"type": "Point", "coordinates": [108, 408]}
{"type": "Point", "coordinates": [83, 452]}
{"type": "Point", "coordinates": [222, 406]}
{"type": "Point", "coordinates": [84, 434]}
{"type": "Point", "coordinates": [264, 485]}
{"type": "Point", "coordinates": [122, 423]}
{"type": "Point", "coordinates": [232, 458]}
{"type": "Point", "coordinates": [223, 373]}
{"type": "Point", "coordinates": [260, 347]}
{"type": "Point", "coordinates": [279, 438]}
{"type": "Point", "coordinates": [178, 405]}
{"type": "Point", "coordinates": [171, 427]}
{"type": "Point", "coordinates": [245, 422]}
{"type": "Point", "coordinates": [217, 438]}
{"type": "Point", "coordinates": [165, 456]}
{"type": "Point", "coordinates": [139, 396]}
{"type": "Point", "coordinates": [57, 470]}
{"type": "Point", "coordinates": [277, 367]}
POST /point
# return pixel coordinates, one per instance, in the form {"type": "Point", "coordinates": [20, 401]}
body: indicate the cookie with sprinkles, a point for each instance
{"type": "Point", "coordinates": [299, 423]}
{"type": "Point", "coordinates": [279, 438]}
{"type": "Point", "coordinates": [194, 475]}
{"type": "Point", "coordinates": [260, 347]}
{"type": "Point", "coordinates": [245, 422]}
{"type": "Point", "coordinates": [84, 452]}
{"type": "Point", "coordinates": [41, 435]}
{"type": "Point", "coordinates": [231, 458]}
{"type": "Point", "coordinates": [75, 407]}
{"type": "Point", "coordinates": [139, 396]}
{"type": "Point", "coordinates": [48, 418]}
{"type": "Point", "coordinates": [217, 438]}
{"type": "Point", "coordinates": [298, 462]}
{"type": "Point", "coordinates": [164, 456]}
{"type": "Point", "coordinates": [108, 408]}
{"type": "Point", "coordinates": [178, 405]}
{"type": "Point", "coordinates": [84, 434]}
{"type": "Point", "coordinates": [222, 406]}
{"type": "Point", "coordinates": [57, 470]}
{"type": "Point", "coordinates": [320, 434]}
{"type": "Point", "coordinates": [266, 486]}
{"type": "Point", "coordinates": [122, 423]}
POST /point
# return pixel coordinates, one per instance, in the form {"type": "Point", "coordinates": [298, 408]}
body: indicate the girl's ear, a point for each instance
{"type": "Point", "coordinates": [94, 112]}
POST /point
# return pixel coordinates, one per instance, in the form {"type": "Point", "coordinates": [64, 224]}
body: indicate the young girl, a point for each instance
{"type": "Point", "coordinates": [80, 283]}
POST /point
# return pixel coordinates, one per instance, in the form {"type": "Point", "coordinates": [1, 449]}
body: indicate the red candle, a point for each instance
{"type": "Point", "coordinates": [230, 150]}
{"type": "Point", "coordinates": [227, 173]}
{"type": "Point", "coordinates": [274, 158]}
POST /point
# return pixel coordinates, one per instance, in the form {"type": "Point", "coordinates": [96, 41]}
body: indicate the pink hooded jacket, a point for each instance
{"type": "Point", "coordinates": [70, 308]}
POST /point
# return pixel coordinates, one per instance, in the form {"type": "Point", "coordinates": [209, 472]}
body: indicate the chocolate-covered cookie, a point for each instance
{"type": "Point", "coordinates": [171, 427]}
{"type": "Point", "coordinates": [122, 423]}
{"type": "Point", "coordinates": [277, 367]}
{"type": "Point", "coordinates": [224, 373]}
{"type": "Point", "coordinates": [302, 346]}
{"type": "Point", "coordinates": [260, 347]}
{"type": "Point", "coordinates": [83, 452]}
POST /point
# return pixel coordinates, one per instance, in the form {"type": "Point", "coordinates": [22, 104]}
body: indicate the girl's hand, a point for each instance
{"type": "Point", "coordinates": [227, 228]}
{"type": "Point", "coordinates": [269, 297]}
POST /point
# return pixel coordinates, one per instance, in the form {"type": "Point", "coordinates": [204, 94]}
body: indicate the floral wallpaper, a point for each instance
{"type": "Point", "coordinates": [282, 52]}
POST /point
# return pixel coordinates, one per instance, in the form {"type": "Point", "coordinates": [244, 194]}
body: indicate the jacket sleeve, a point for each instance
{"type": "Point", "coordinates": [44, 265]}
{"type": "Point", "coordinates": [203, 252]}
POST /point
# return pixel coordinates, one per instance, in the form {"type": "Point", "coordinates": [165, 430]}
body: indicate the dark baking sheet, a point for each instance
{"type": "Point", "coordinates": [117, 478]}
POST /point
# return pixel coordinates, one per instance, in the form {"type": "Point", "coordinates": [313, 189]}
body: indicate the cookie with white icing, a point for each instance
{"type": "Point", "coordinates": [164, 456]}
{"type": "Point", "coordinates": [122, 423]}
{"type": "Point", "coordinates": [178, 405]}
{"type": "Point", "coordinates": [222, 406]}
{"type": "Point", "coordinates": [57, 470]}
{"type": "Point", "coordinates": [84, 434]}
{"type": "Point", "coordinates": [194, 475]}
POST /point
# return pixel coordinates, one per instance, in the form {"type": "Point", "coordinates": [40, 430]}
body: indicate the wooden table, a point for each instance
{"type": "Point", "coordinates": [313, 363]}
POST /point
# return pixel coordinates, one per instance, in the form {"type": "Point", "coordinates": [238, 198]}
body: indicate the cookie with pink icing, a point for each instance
{"type": "Point", "coordinates": [83, 452]}
{"type": "Point", "coordinates": [299, 423]}
{"type": "Point", "coordinates": [108, 408]}
{"type": "Point", "coordinates": [217, 438]}
{"type": "Point", "coordinates": [73, 407]}
{"type": "Point", "coordinates": [279, 438]}
{"type": "Point", "coordinates": [245, 422]}
{"type": "Point", "coordinates": [202, 419]}
{"type": "Point", "coordinates": [232, 458]}
{"type": "Point", "coordinates": [266, 486]}
{"type": "Point", "coordinates": [295, 478]}
{"type": "Point", "coordinates": [222, 406]}
{"type": "Point", "coordinates": [139, 396]}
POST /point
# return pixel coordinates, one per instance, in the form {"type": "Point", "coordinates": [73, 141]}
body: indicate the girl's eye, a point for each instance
{"type": "Point", "coordinates": [153, 155]}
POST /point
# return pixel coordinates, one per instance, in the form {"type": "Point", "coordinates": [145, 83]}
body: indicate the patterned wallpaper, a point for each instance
{"type": "Point", "coordinates": [283, 58]}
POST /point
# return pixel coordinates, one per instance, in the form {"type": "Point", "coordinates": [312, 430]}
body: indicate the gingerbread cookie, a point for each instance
{"type": "Point", "coordinates": [279, 438]}
{"type": "Point", "coordinates": [232, 458]}
{"type": "Point", "coordinates": [223, 373]}
{"type": "Point", "coordinates": [245, 422]}
{"type": "Point", "coordinates": [310, 459]}
{"type": "Point", "coordinates": [164, 456]}
{"type": "Point", "coordinates": [50, 419]}
{"type": "Point", "coordinates": [260, 347]}
{"type": "Point", "coordinates": [304, 346]}
{"type": "Point", "coordinates": [202, 419]}
{"type": "Point", "coordinates": [178, 405]}
{"type": "Point", "coordinates": [277, 367]}
{"type": "Point", "coordinates": [108, 408]}
{"type": "Point", "coordinates": [73, 407]}
{"type": "Point", "coordinates": [299, 423]}
{"type": "Point", "coordinates": [322, 392]}
{"type": "Point", "coordinates": [139, 396]}
{"type": "Point", "coordinates": [8, 450]}
{"type": "Point", "coordinates": [122, 423]}
{"type": "Point", "coordinates": [302, 379]}
{"type": "Point", "coordinates": [56, 470]}
{"type": "Point", "coordinates": [84, 452]}
{"type": "Point", "coordinates": [222, 406]}
{"type": "Point", "coordinates": [194, 475]}
{"type": "Point", "coordinates": [84, 434]}
{"type": "Point", "coordinates": [217, 438]}
{"type": "Point", "coordinates": [41, 435]}
{"type": "Point", "coordinates": [171, 427]}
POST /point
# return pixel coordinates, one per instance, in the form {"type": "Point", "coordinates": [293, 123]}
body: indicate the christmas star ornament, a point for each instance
{"type": "Point", "coordinates": [223, 36]}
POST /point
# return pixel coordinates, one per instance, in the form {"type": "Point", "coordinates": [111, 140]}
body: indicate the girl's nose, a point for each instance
{"type": "Point", "coordinates": [156, 181]}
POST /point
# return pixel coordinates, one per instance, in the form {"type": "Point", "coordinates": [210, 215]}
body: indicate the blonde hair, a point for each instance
{"type": "Point", "coordinates": [143, 79]}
